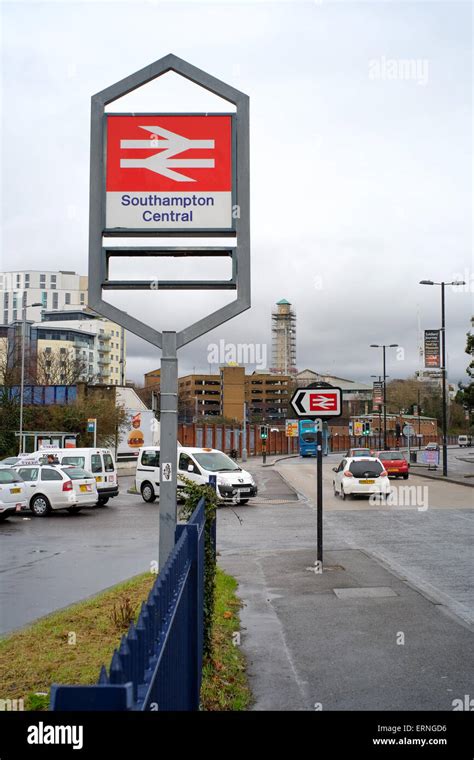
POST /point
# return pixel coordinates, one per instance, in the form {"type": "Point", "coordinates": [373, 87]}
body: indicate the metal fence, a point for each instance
{"type": "Point", "coordinates": [158, 665]}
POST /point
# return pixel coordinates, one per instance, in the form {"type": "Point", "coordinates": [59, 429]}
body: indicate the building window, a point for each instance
{"type": "Point", "coordinates": [5, 300]}
{"type": "Point", "coordinates": [18, 281]}
{"type": "Point", "coordinates": [23, 299]}
{"type": "Point", "coordinates": [83, 298]}
{"type": "Point", "coordinates": [5, 317]}
{"type": "Point", "coordinates": [55, 300]}
{"type": "Point", "coordinates": [67, 298]}
{"type": "Point", "coordinates": [42, 281]}
{"type": "Point", "coordinates": [53, 282]}
{"type": "Point", "coordinates": [15, 315]}
{"type": "Point", "coordinates": [44, 300]}
{"type": "Point", "coordinates": [48, 349]}
{"type": "Point", "coordinates": [27, 280]}
{"type": "Point", "coordinates": [62, 350]}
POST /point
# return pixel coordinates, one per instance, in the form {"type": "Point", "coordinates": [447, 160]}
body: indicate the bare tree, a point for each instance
{"type": "Point", "coordinates": [61, 367]}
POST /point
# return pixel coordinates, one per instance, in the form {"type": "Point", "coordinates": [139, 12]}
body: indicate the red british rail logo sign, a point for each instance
{"type": "Point", "coordinates": [169, 172]}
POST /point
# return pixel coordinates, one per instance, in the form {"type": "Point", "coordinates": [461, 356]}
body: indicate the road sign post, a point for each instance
{"type": "Point", "coordinates": [92, 428]}
{"type": "Point", "coordinates": [319, 494]}
{"type": "Point", "coordinates": [315, 402]}
{"type": "Point", "coordinates": [167, 175]}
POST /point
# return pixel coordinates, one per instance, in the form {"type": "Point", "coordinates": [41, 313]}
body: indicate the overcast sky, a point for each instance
{"type": "Point", "coordinates": [361, 178]}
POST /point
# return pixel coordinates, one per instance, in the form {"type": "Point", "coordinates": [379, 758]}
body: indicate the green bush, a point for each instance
{"type": "Point", "coordinates": [193, 493]}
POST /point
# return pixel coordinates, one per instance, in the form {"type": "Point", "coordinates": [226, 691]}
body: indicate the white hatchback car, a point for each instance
{"type": "Point", "coordinates": [360, 475]}
{"type": "Point", "coordinates": [51, 487]}
{"type": "Point", "coordinates": [12, 493]}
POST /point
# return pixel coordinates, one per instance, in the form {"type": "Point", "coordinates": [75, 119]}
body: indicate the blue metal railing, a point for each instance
{"type": "Point", "coordinates": [158, 665]}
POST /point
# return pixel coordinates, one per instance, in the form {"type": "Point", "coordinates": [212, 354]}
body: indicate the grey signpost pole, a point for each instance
{"type": "Point", "coordinates": [101, 253]}
{"type": "Point", "coordinates": [168, 442]}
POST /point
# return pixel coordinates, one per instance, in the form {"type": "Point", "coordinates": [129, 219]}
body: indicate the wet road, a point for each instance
{"type": "Point", "coordinates": [48, 563]}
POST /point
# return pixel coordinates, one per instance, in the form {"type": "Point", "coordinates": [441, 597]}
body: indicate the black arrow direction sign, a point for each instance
{"type": "Point", "coordinates": [297, 402]}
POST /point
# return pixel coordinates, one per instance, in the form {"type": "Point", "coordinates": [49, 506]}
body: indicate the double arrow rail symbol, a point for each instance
{"type": "Point", "coordinates": [162, 162]}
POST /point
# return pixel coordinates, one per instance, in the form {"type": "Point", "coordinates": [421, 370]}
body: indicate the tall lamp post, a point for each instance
{"type": "Point", "coordinates": [384, 346]}
{"type": "Point", "coordinates": [22, 376]}
{"type": "Point", "coordinates": [443, 367]}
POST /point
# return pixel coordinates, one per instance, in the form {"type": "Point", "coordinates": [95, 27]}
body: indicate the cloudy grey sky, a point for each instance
{"type": "Point", "coordinates": [361, 178]}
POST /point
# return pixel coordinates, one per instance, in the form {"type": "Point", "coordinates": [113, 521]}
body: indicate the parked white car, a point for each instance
{"type": "Point", "coordinates": [12, 493]}
{"type": "Point", "coordinates": [232, 482]}
{"type": "Point", "coordinates": [51, 487]}
{"type": "Point", "coordinates": [360, 475]}
{"type": "Point", "coordinates": [99, 462]}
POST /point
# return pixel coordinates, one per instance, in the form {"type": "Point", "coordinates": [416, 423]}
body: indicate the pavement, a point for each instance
{"type": "Point", "coordinates": [387, 624]}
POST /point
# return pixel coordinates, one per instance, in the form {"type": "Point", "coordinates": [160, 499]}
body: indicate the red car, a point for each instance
{"type": "Point", "coordinates": [394, 463]}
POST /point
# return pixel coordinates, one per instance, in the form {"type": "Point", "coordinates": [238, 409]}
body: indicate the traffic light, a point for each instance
{"type": "Point", "coordinates": [398, 430]}
{"type": "Point", "coordinates": [366, 428]}
{"type": "Point", "coordinates": [264, 432]}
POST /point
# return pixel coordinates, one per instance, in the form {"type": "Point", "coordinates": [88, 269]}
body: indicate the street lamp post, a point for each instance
{"type": "Point", "coordinates": [384, 346]}
{"type": "Point", "coordinates": [443, 368]}
{"type": "Point", "coordinates": [22, 376]}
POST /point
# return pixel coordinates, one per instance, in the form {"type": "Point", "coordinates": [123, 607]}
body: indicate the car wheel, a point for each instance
{"type": "Point", "coordinates": [334, 488]}
{"type": "Point", "coordinates": [74, 510]}
{"type": "Point", "coordinates": [40, 506]}
{"type": "Point", "coordinates": [343, 494]}
{"type": "Point", "coordinates": [244, 501]}
{"type": "Point", "coordinates": [102, 501]}
{"type": "Point", "coordinates": [148, 494]}
{"type": "Point", "coordinates": [405, 477]}
{"type": "Point", "coordinates": [3, 517]}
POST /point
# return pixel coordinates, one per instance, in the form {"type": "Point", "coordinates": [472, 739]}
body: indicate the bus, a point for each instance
{"type": "Point", "coordinates": [307, 438]}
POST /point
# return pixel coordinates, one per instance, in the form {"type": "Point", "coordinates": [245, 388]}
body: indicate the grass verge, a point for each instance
{"type": "Point", "coordinates": [69, 647]}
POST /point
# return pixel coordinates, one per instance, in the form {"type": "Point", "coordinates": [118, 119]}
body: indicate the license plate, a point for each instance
{"type": "Point", "coordinates": [15, 490]}
{"type": "Point", "coordinates": [85, 488]}
{"type": "Point", "coordinates": [244, 490]}
{"type": "Point", "coordinates": [99, 479]}
{"type": "Point", "coordinates": [392, 469]}
{"type": "Point", "coordinates": [367, 482]}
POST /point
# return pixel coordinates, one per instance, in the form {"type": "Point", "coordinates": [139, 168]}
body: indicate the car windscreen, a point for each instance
{"type": "Point", "coordinates": [76, 460]}
{"type": "Point", "coordinates": [76, 473]}
{"type": "Point", "coordinates": [360, 452]}
{"type": "Point", "coordinates": [308, 437]}
{"type": "Point", "coordinates": [365, 469]}
{"type": "Point", "coordinates": [10, 476]}
{"type": "Point", "coordinates": [215, 461]}
{"type": "Point", "coordinates": [391, 456]}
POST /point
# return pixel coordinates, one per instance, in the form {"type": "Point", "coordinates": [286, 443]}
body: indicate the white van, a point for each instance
{"type": "Point", "coordinates": [232, 484]}
{"type": "Point", "coordinates": [464, 440]}
{"type": "Point", "coordinates": [99, 462]}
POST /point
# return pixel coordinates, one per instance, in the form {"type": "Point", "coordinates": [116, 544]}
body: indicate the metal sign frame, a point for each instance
{"type": "Point", "coordinates": [238, 250]}
{"type": "Point", "coordinates": [99, 255]}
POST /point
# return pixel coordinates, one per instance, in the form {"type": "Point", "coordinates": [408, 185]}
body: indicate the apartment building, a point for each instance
{"type": "Point", "coordinates": [66, 347]}
{"type": "Point", "coordinates": [104, 354]}
{"type": "Point", "coordinates": [52, 291]}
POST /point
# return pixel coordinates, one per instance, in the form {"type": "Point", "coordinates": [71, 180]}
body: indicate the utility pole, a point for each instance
{"type": "Point", "coordinates": [445, 401]}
